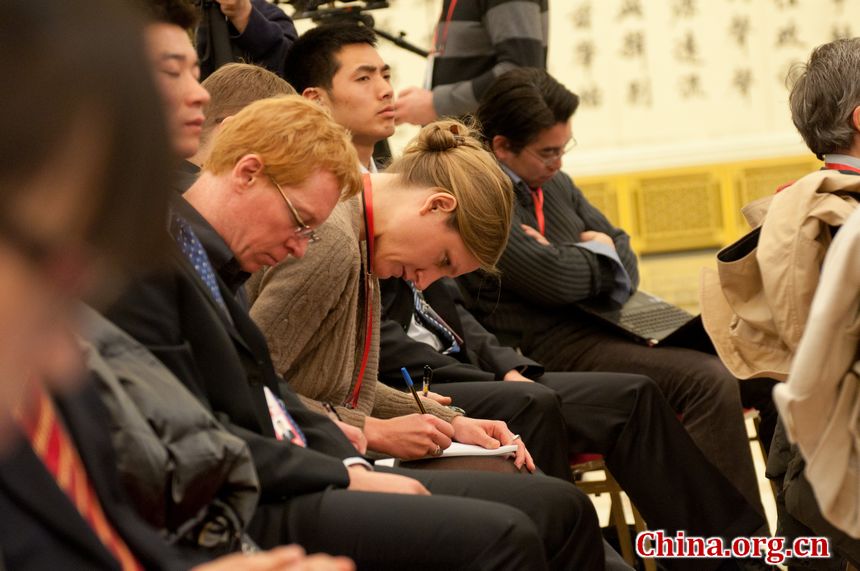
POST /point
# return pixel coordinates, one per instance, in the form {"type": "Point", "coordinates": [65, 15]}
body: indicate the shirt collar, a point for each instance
{"type": "Point", "coordinates": [846, 160]}
{"type": "Point", "coordinates": [521, 189]}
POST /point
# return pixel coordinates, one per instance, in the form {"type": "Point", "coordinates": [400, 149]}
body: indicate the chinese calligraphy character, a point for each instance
{"type": "Point", "coordinates": [742, 81]}
{"type": "Point", "coordinates": [634, 44]}
{"type": "Point", "coordinates": [787, 36]}
{"type": "Point", "coordinates": [581, 16]}
{"type": "Point", "coordinates": [639, 92]}
{"type": "Point", "coordinates": [584, 53]}
{"type": "Point", "coordinates": [686, 49]}
{"type": "Point", "coordinates": [591, 96]}
{"type": "Point", "coordinates": [684, 8]}
{"type": "Point", "coordinates": [690, 86]}
{"type": "Point", "coordinates": [739, 29]}
{"type": "Point", "coordinates": [630, 8]}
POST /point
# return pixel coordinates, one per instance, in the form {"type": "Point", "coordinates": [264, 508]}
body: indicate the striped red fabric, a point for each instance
{"type": "Point", "coordinates": [52, 444]}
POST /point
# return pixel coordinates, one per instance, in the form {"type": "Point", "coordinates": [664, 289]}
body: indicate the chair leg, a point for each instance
{"type": "Point", "coordinates": [616, 510]}
{"type": "Point", "coordinates": [639, 526]}
{"type": "Point", "coordinates": [610, 486]}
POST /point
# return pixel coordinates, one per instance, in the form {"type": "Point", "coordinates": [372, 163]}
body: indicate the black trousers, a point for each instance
{"type": "Point", "coordinates": [696, 385]}
{"type": "Point", "coordinates": [473, 520]}
{"type": "Point", "coordinates": [625, 418]}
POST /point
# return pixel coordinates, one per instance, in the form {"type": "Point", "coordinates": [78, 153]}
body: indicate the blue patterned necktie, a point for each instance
{"type": "Point", "coordinates": [193, 249]}
{"type": "Point", "coordinates": [428, 317]}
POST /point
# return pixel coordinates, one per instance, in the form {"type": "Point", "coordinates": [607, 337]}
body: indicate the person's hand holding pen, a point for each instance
{"type": "Point", "coordinates": [408, 437]}
{"type": "Point", "coordinates": [491, 434]}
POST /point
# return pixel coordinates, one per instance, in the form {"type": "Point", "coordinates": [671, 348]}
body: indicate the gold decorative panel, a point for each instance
{"type": "Point", "coordinates": [680, 212]}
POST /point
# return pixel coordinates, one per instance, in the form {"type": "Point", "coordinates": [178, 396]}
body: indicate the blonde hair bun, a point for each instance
{"type": "Point", "coordinates": [445, 135]}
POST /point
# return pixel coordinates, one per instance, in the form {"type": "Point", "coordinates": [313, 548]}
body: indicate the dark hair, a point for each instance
{"type": "Point", "coordinates": [312, 59]}
{"type": "Point", "coordinates": [523, 102]}
{"type": "Point", "coordinates": [182, 13]}
{"type": "Point", "coordinates": [73, 72]}
{"type": "Point", "coordinates": [823, 96]}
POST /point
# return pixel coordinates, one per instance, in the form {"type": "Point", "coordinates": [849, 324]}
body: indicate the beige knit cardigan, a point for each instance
{"type": "Point", "coordinates": [311, 312]}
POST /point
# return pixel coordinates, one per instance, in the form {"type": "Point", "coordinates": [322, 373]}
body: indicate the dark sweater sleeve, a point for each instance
{"type": "Point", "coordinates": [515, 30]}
{"type": "Point", "coordinates": [563, 273]}
{"type": "Point", "coordinates": [268, 36]}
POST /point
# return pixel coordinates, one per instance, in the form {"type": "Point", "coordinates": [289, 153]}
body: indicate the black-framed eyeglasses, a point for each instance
{"type": "Point", "coordinates": [302, 230]}
{"type": "Point", "coordinates": [550, 156]}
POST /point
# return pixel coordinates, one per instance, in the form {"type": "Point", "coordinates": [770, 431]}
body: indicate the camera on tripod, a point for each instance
{"type": "Point", "coordinates": [316, 10]}
{"type": "Point", "coordinates": [350, 11]}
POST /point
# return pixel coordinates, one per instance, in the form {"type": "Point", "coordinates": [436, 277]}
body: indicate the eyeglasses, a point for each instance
{"type": "Point", "coordinates": [302, 230]}
{"type": "Point", "coordinates": [550, 156]}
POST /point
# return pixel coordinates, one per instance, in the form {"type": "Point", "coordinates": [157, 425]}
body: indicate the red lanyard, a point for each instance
{"type": "Point", "coordinates": [841, 167]}
{"type": "Point", "coordinates": [367, 201]}
{"type": "Point", "coordinates": [537, 196]}
{"type": "Point", "coordinates": [440, 49]}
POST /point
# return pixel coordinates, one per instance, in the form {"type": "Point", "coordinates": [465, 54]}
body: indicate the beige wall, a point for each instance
{"type": "Point", "coordinates": [681, 99]}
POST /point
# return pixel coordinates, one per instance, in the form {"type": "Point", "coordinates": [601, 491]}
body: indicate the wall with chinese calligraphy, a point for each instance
{"type": "Point", "coordinates": [663, 82]}
{"type": "Point", "coordinates": [677, 82]}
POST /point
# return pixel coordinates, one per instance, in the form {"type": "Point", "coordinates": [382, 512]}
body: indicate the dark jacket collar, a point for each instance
{"type": "Point", "coordinates": [220, 256]}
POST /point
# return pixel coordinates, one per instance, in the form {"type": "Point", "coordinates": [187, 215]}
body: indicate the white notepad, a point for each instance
{"type": "Point", "coordinates": [458, 449]}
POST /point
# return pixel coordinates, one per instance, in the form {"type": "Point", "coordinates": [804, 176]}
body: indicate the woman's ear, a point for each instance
{"type": "Point", "coordinates": [439, 202]}
{"type": "Point", "coordinates": [246, 171]}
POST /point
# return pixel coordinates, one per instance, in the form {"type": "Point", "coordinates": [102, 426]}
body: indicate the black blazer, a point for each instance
{"type": "Point", "coordinates": [41, 529]}
{"type": "Point", "coordinates": [481, 358]}
{"type": "Point", "coordinates": [226, 364]}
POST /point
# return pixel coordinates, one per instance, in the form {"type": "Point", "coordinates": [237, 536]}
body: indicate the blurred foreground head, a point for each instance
{"type": "Point", "coordinates": [83, 180]}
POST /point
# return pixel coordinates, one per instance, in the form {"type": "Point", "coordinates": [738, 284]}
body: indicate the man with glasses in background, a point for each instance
{"type": "Point", "coordinates": [561, 251]}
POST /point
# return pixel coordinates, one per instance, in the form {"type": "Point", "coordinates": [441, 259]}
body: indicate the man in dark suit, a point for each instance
{"type": "Point", "coordinates": [561, 251]}
{"type": "Point", "coordinates": [624, 417]}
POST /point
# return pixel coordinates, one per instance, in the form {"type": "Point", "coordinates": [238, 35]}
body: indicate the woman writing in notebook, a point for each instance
{"type": "Point", "coordinates": [442, 209]}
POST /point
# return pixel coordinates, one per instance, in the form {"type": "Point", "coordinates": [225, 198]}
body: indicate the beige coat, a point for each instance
{"type": "Point", "coordinates": [311, 312]}
{"type": "Point", "coordinates": [820, 403]}
{"type": "Point", "coordinates": [756, 305]}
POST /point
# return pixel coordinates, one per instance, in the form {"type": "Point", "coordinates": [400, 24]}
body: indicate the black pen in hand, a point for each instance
{"type": "Point", "coordinates": [411, 386]}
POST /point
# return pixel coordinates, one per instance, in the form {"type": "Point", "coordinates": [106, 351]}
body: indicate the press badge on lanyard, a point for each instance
{"type": "Point", "coordinates": [285, 426]}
